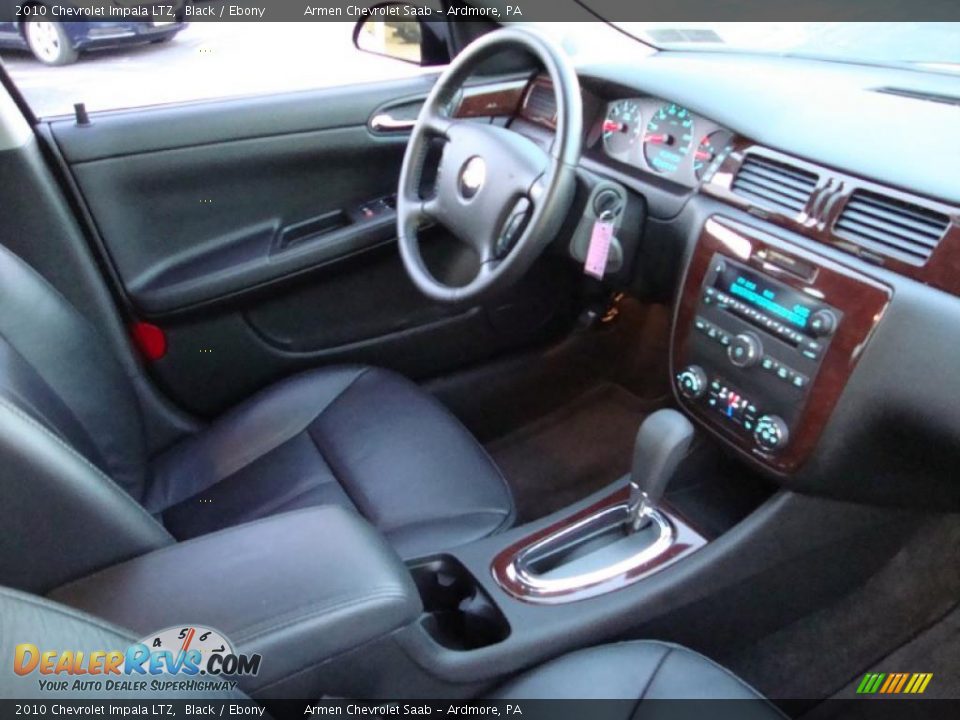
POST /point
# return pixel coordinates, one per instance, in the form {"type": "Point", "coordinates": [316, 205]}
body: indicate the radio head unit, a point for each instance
{"type": "Point", "coordinates": [770, 303]}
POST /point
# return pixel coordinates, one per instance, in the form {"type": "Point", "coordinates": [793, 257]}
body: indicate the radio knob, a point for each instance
{"type": "Point", "coordinates": [692, 382]}
{"type": "Point", "coordinates": [823, 323]}
{"type": "Point", "coordinates": [745, 350]}
{"type": "Point", "coordinates": [771, 432]}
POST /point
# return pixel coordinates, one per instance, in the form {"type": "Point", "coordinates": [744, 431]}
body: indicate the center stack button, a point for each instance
{"type": "Point", "coordinates": [745, 350]}
{"type": "Point", "coordinates": [692, 382]}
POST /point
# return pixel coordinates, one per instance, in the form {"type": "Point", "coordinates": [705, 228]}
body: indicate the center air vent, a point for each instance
{"type": "Point", "coordinates": [774, 184]}
{"type": "Point", "coordinates": [899, 230]}
{"type": "Point", "coordinates": [541, 104]}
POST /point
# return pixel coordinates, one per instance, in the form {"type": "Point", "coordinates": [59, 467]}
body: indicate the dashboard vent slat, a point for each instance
{"type": "Point", "coordinates": [774, 183]}
{"type": "Point", "coordinates": [896, 229]}
{"type": "Point", "coordinates": [541, 104]}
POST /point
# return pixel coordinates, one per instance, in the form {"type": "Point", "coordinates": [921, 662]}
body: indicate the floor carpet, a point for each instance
{"type": "Point", "coordinates": [566, 455]}
{"type": "Point", "coordinates": [820, 655]}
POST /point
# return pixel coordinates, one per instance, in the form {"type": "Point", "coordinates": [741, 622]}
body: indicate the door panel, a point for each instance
{"type": "Point", "coordinates": [192, 225]}
{"type": "Point", "coordinates": [259, 234]}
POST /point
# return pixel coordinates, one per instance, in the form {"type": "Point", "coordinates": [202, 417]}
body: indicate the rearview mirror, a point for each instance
{"type": "Point", "coordinates": [399, 39]}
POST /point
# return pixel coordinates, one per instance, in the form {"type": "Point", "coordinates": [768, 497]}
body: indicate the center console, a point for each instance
{"type": "Point", "coordinates": [765, 338]}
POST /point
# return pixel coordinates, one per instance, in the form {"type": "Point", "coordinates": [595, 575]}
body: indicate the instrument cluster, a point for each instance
{"type": "Point", "coordinates": [662, 138]}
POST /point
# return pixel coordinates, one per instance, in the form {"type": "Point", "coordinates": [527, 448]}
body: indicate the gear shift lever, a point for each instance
{"type": "Point", "coordinates": [662, 441]}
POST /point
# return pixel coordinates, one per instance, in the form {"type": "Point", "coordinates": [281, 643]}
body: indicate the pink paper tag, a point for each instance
{"type": "Point", "coordinates": [599, 250]}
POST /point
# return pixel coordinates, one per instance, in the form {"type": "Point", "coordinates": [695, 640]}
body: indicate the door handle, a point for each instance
{"type": "Point", "coordinates": [386, 123]}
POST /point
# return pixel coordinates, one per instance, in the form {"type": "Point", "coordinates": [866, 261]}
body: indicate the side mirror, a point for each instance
{"type": "Point", "coordinates": [396, 38]}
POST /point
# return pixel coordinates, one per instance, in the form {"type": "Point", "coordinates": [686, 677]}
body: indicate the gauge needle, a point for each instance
{"type": "Point", "coordinates": [613, 126]}
{"type": "Point", "coordinates": [187, 640]}
{"type": "Point", "coordinates": [658, 139]}
{"type": "Point", "coordinates": [702, 155]}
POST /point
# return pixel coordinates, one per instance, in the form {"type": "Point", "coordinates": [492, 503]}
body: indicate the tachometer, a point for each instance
{"type": "Point", "coordinates": [668, 138]}
{"type": "Point", "coordinates": [621, 127]}
{"type": "Point", "coordinates": [712, 147]}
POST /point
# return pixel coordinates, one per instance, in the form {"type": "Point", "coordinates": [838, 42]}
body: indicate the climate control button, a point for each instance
{"type": "Point", "coordinates": [692, 382]}
{"type": "Point", "coordinates": [771, 432]}
{"type": "Point", "coordinates": [745, 350]}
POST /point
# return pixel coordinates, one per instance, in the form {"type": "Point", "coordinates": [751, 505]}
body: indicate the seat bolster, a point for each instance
{"type": "Point", "coordinates": [639, 671]}
{"type": "Point", "coordinates": [73, 362]}
{"type": "Point", "coordinates": [60, 510]}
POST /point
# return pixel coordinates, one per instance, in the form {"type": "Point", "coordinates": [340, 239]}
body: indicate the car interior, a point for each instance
{"type": "Point", "coordinates": [529, 376]}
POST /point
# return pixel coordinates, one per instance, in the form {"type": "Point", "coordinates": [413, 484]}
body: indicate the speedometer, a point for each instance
{"type": "Point", "coordinates": [668, 138]}
{"type": "Point", "coordinates": [621, 127]}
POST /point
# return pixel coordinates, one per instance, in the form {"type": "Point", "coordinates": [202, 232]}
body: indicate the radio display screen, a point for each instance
{"type": "Point", "coordinates": [770, 297]}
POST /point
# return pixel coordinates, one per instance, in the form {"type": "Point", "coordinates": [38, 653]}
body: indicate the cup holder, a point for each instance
{"type": "Point", "coordinates": [458, 613]}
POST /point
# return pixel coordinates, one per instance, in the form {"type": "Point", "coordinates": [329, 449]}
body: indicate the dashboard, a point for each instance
{"type": "Point", "coordinates": [815, 281]}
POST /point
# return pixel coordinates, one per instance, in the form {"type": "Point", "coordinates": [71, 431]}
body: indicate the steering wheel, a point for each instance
{"type": "Point", "coordinates": [495, 190]}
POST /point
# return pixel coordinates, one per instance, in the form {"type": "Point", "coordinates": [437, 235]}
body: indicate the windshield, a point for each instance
{"type": "Point", "coordinates": [931, 46]}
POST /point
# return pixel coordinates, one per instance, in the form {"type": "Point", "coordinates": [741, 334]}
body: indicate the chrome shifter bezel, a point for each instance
{"type": "Point", "coordinates": [536, 586]}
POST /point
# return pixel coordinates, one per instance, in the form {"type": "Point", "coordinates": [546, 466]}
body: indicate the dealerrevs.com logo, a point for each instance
{"type": "Point", "coordinates": [175, 659]}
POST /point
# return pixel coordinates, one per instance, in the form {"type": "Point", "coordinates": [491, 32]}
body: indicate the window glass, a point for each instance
{"type": "Point", "coordinates": [155, 63]}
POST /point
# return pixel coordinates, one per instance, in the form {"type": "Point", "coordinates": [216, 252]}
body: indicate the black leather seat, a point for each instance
{"type": "Point", "coordinates": [637, 671]}
{"type": "Point", "coordinates": [72, 437]}
{"type": "Point", "coordinates": [359, 437]}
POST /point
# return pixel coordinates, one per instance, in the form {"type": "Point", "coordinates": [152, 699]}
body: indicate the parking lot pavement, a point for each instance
{"type": "Point", "coordinates": [205, 60]}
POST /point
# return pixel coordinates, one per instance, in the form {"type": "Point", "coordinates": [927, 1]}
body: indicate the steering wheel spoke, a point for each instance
{"type": "Point", "coordinates": [430, 211]}
{"type": "Point", "coordinates": [434, 123]}
{"type": "Point", "coordinates": [488, 269]}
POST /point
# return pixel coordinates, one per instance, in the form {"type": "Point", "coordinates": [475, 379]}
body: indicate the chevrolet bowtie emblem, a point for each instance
{"type": "Point", "coordinates": [472, 177]}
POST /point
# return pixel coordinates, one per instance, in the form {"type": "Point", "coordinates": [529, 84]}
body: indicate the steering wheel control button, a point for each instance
{"type": "Point", "coordinates": [771, 433]}
{"type": "Point", "coordinates": [473, 175]}
{"type": "Point", "coordinates": [692, 382]}
{"type": "Point", "coordinates": [745, 350]}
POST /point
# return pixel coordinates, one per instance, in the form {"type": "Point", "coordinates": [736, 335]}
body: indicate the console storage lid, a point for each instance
{"type": "Point", "coordinates": [298, 588]}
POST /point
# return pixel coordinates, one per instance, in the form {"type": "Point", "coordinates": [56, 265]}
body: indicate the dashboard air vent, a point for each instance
{"type": "Point", "coordinates": [541, 105]}
{"type": "Point", "coordinates": [899, 230]}
{"type": "Point", "coordinates": [774, 184]}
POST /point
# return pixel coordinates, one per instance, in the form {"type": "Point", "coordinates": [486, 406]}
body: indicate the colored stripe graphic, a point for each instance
{"type": "Point", "coordinates": [870, 683]}
{"type": "Point", "coordinates": [899, 687]}
{"type": "Point", "coordinates": [892, 680]}
{"type": "Point", "coordinates": [894, 683]}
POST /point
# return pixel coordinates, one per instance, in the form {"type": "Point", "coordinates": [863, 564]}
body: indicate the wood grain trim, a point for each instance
{"type": "Point", "coordinates": [687, 541]}
{"type": "Point", "coordinates": [831, 194]}
{"type": "Point", "coordinates": [502, 100]}
{"type": "Point", "coordinates": [862, 299]}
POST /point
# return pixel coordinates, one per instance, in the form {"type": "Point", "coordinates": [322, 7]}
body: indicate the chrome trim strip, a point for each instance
{"type": "Point", "coordinates": [536, 585]}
